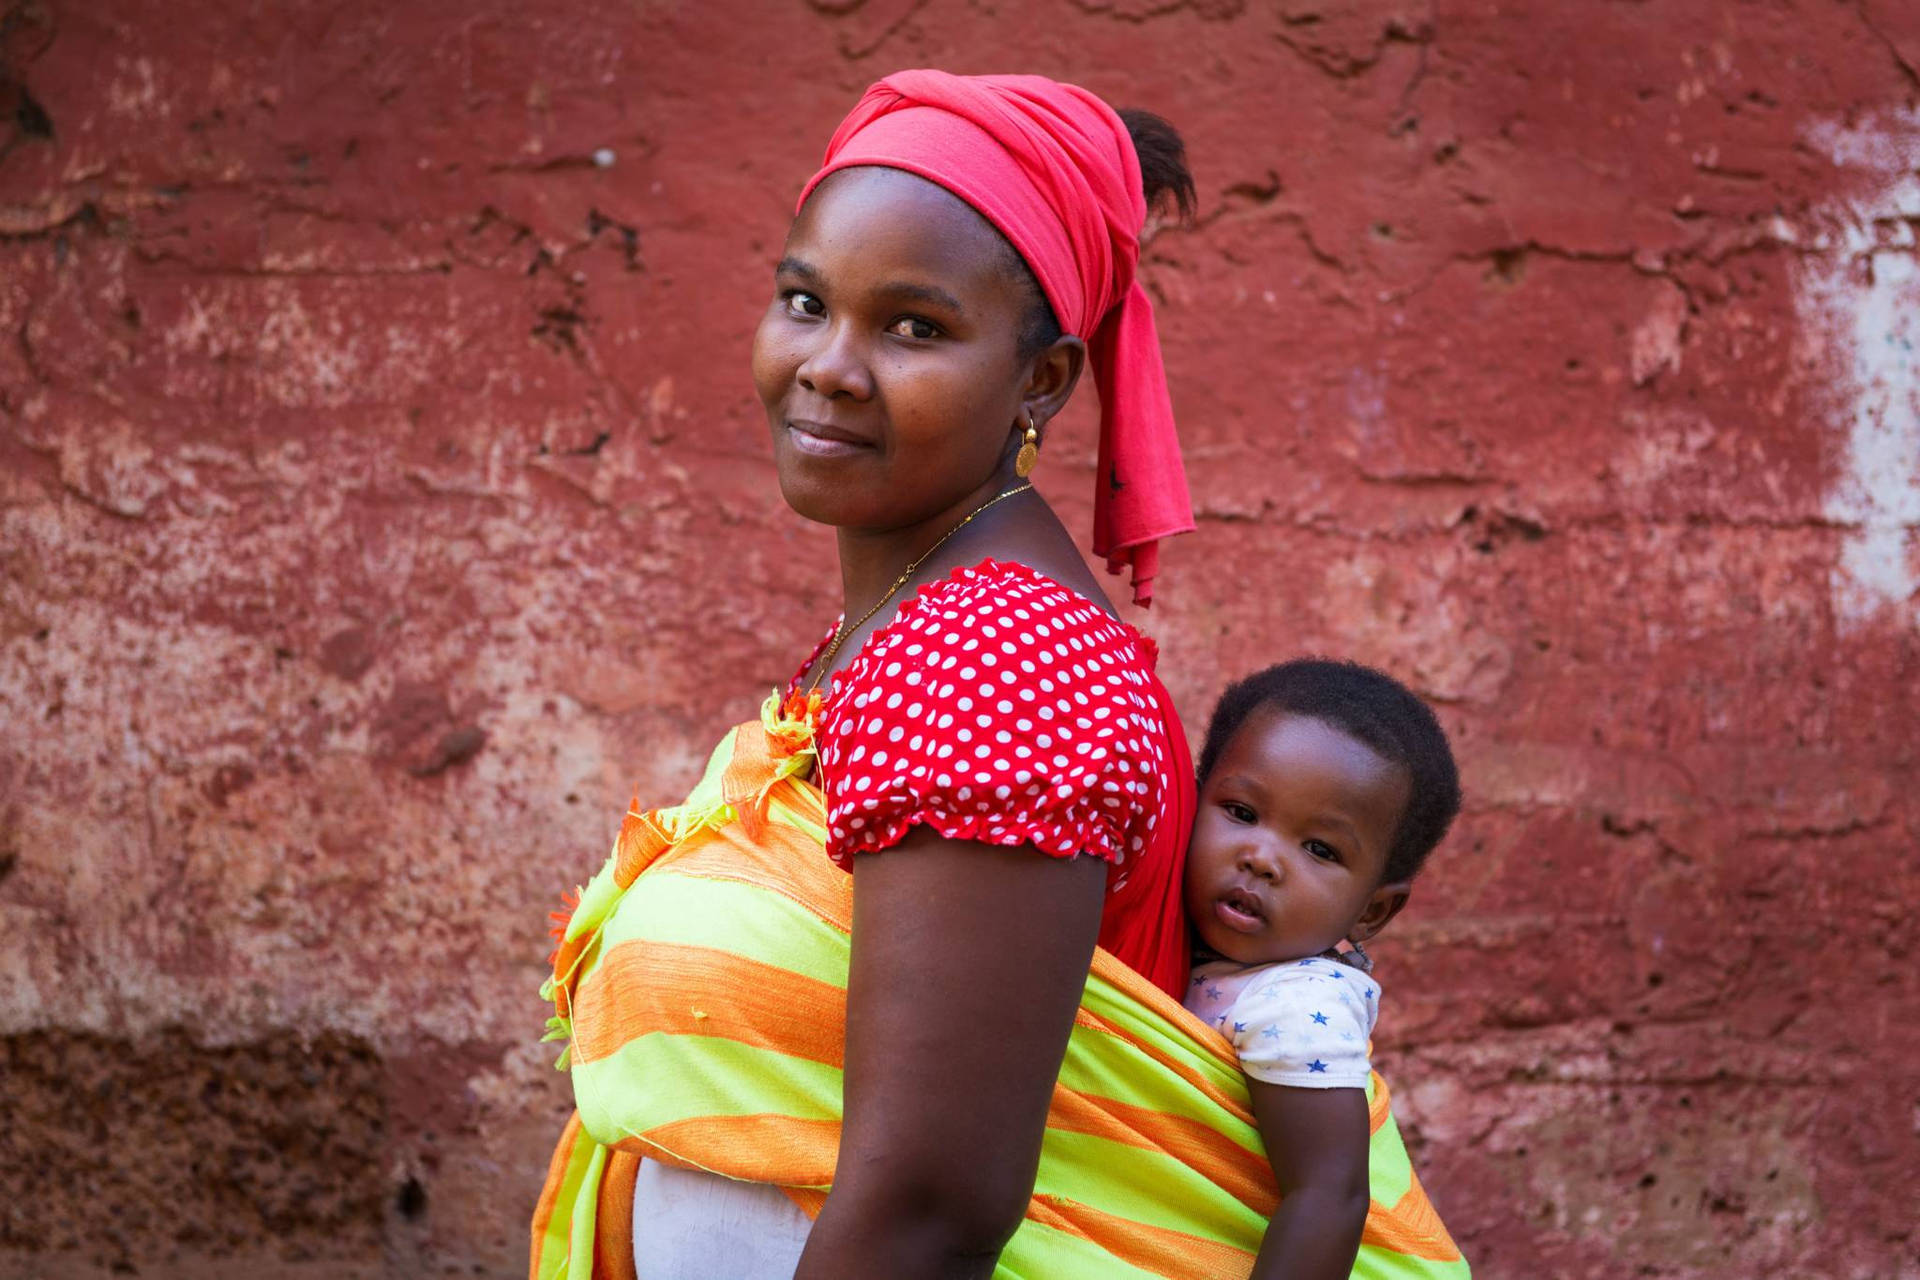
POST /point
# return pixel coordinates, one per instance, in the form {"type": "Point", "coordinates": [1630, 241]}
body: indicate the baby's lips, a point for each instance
{"type": "Point", "coordinates": [1245, 900]}
{"type": "Point", "coordinates": [1240, 912]}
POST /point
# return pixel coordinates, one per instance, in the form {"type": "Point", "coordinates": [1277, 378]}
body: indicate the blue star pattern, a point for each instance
{"type": "Point", "coordinates": [1302, 1023]}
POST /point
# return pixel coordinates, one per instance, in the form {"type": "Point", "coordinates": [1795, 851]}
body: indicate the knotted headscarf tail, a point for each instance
{"type": "Point", "coordinates": [1054, 170]}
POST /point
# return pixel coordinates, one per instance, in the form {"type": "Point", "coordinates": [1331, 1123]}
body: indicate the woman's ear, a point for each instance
{"type": "Point", "coordinates": [1051, 380]}
{"type": "Point", "coordinates": [1383, 906]}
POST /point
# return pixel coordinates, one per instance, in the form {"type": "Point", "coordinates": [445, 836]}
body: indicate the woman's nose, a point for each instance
{"type": "Point", "coordinates": [836, 367]}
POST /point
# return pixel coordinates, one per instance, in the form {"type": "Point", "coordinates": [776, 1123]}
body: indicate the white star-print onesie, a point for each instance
{"type": "Point", "coordinates": [1302, 1023]}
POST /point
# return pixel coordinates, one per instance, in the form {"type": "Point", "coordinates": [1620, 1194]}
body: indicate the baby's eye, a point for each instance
{"type": "Point", "coordinates": [800, 303]}
{"type": "Point", "coordinates": [1322, 850]}
{"type": "Point", "coordinates": [1238, 812]}
{"type": "Point", "coordinates": [914, 327]}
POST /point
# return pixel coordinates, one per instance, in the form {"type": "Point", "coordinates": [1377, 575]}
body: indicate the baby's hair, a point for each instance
{"type": "Point", "coordinates": [1164, 181]}
{"type": "Point", "coordinates": [1375, 709]}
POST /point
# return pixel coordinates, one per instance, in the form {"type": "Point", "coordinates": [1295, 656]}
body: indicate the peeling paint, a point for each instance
{"type": "Point", "coordinates": [1864, 293]}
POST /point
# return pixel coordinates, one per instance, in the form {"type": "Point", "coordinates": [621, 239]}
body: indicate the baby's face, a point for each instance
{"type": "Point", "coordinates": [1291, 837]}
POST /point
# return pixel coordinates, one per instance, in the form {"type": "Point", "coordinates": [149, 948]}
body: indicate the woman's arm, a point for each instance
{"type": "Point", "coordinates": [1317, 1141]}
{"type": "Point", "coordinates": [968, 964]}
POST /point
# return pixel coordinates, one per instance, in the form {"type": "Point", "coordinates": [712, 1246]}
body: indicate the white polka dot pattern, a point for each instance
{"type": "Point", "coordinates": [997, 706]}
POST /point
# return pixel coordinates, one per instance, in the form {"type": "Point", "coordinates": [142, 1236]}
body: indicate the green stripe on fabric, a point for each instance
{"type": "Point", "coordinates": [586, 1212]}
{"type": "Point", "coordinates": [790, 817]}
{"type": "Point", "coordinates": [555, 1245]}
{"type": "Point", "coordinates": [1041, 1252]}
{"type": "Point", "coordinates": [1375, 1263]}
{"type": "Point", "coordinates": [1144, 1186]}
{"type": "Point", "coordinates": [706, 792]}
{"type": "Point", "coordinates": [1107, 1001]}
{"type": "Point", "coordinates": [1389, 1168]}
{"type": "Point", "coordinates": [666, 906]}
{"type": "Point", "coordinates": [1098, 1065]}
{"type": "Point", "coordinates": [689, 1076]}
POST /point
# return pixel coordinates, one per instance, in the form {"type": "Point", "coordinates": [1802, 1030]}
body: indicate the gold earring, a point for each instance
{"type": "Point", "coordinates": [1029, 455]}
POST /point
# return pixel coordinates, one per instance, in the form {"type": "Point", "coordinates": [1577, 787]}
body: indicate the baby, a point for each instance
{"type": "Point", "coordinates": [1323, 787]}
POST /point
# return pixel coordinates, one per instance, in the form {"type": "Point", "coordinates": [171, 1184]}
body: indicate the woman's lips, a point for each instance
{"type": "Point", "coordinates": [821, 441]}
{"type": "Point", "coordinates": [1240, 911]}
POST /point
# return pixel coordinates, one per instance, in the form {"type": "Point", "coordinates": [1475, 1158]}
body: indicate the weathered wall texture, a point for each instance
{"type": "Point", "coordinates": [382, 498]}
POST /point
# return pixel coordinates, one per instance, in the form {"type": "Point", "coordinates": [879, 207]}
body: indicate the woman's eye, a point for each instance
{"type": "Point", "coordinates": [1238, 812]}
{"type": "Point", "coordinates": [803, 304]}
{"type": "Point", "coordinates": [913, 327]}
{"type": "Point", "coordinates": [1322, 850]}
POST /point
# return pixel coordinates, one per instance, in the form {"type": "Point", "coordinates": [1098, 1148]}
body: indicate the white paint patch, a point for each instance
{"type": "Point", "coordinates": [1863, 296]}
{"type": "Point", "coordinates": [135, 90]}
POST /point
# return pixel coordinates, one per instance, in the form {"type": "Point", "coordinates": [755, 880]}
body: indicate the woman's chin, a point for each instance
{"type": "Point", "coordinates": [815, 493]}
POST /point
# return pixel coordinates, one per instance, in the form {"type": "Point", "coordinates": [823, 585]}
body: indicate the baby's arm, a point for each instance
{"type": "Point", "coordinates": [1317, 1140]}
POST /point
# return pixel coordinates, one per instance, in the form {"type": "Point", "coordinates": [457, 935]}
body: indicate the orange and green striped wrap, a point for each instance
{"type": "Point", "coordinates": [704, 1002]}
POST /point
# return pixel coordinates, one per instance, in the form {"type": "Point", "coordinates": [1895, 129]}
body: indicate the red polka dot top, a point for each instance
{"type": "Point", "coordinates": [1002, 707]}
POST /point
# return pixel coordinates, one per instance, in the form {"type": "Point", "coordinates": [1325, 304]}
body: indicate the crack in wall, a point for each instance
{"type": "Point", "coordinates": [1900, 59]}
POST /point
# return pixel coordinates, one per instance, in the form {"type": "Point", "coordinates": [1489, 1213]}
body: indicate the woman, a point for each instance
{"type": "Point", "coordinates": [998, 767]}
{"type": "Point", "coordinates": [908, 358]}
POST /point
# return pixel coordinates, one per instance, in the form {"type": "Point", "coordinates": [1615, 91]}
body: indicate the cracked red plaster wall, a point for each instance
{"type": "Point", "coordinates": [382, 499]}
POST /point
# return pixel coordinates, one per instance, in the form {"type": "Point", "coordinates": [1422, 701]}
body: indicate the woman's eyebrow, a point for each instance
{"type": "Point", "coordinates": [791, 266]}
{"type": "Point", "coordinates": [925, 293]}
{"type": "Point", "coordinates": [806, 274]}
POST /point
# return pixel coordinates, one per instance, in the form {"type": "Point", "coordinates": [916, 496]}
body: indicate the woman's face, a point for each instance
{"type": "Point", "coordinates": [889, 360]}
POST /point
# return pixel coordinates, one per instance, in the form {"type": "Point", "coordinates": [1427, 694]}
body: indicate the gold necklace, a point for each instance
{"type": "Point", "coordinates": [842, 631]}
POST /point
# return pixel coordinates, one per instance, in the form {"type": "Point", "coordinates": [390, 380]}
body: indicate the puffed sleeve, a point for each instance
{"type": "Point", "coordinates": [1306, 1025]}
{"type": "Point", "coordinates": [1001, 708]}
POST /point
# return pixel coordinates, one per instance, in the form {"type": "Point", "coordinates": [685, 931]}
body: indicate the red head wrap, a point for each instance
{"type": "Point", "coordinates": [1053, 169]}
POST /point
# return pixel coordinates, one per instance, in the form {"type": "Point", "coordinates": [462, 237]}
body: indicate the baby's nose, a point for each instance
{"type": "Point", "coordinates": [1259, 860]}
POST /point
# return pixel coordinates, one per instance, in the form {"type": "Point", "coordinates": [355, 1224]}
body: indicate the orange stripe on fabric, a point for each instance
{"type": "Point", "coordinates": [781, 859]}
{"type": "Point", "coordinates": [1412, 1227]}
{"type": "Point", "coordinates": [749, 768]}
{"type": "Point", "coordinates": [613, 1219]}
{"type": "Point", "coordinates": [1160, 1004]}
{"type": "Point", "coordinates": [1195, 1079]}
{"type": "Point", "coordinates": [550, 1192]}
{"type": "Point", "coordinates": [1245, 1176]}
{"type": "Point", "coordinates": [641, 840]}
{"type": "Point", "coordinates": [1139, 990]}
{"type": "Point", "coordinates": [1173, 1254]}
{"type": "Point", "coordinates": [782, 1150]}
{"type": "Point", "coordinates": [809, 1200]}
{"type": "Point", "coordinates": [564, 961]}
{"type": "Point", "coordinates": [641, 987]}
